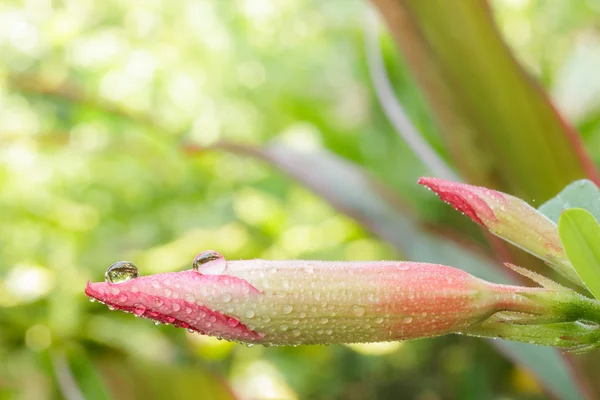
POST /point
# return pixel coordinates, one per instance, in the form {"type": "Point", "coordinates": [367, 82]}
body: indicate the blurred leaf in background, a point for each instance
{"type": "Point", "coordinates": [95, 101]}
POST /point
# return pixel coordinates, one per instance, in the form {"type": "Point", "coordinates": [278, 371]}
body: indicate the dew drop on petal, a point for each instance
{"type": "Point", "coordinates": [226, 298]}
{"type": "Point", "coordinates": [359, 311]}
{"type": "Point", "coordinates": [283, 327]}
{"type": "Point", "coordinates": [92, 300]}
{"type": "Point", "coordinates": [296, 333]}
{"type": "Point", "coordinates": [324, 320]}
{"type": "Point", "coordinates": [378, 320]}
{"type": "Point", "coordinates": [121, 271]}
{"type": "Point", "coordinates": [170, 320]}
{"type": "Point", "coordinates": [233, 322]}
{"type": "Point", "coordinates": [139, 310]}
{"type": "Point", "coordinates": [176, 307]}
{"type": "Point", "coordinates": [287, 309]}
{"type": "Point", "coordinates": [407, 320]}
{"type": "Point", "coordinates": [156, 323]}
{"type": "Point", "coordinates": [210, 262]}
{"type": "Point", "coordinates": [249, 313]}
{"type": "Point", "coordinates": [111, 308]}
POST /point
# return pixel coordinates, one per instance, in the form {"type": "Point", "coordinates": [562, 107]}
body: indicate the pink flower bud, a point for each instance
{"type": "Point", "coordinates": [307, 302]}
{"type": "Point", "coordinates": [507, 217]}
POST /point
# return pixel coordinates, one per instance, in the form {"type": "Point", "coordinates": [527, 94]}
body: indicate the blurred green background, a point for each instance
{"type": "Point", "coordinates": [96, 99]}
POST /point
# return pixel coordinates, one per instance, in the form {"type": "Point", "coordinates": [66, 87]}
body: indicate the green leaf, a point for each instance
{"type": "Point", "coordinates": [580, 235]}
{"type": "Point", "coordinates": [358, 195]}
{"type": "Point", "coordinates": [500, 127]}
{"type": "Point", "coordinates": [579, 194]}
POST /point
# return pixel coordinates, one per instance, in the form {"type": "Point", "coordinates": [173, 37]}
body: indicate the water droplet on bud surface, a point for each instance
{"type": "Point", "coordinates": [121, 271]}
{"type": "Point", "coordinates": [210, 262]}
{"type": "Point", "coordinates": [359, 311]}
{"type": "Point", "coordinates": [287, 309]}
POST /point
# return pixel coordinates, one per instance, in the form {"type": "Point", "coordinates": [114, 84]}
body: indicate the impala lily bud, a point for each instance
{"type": "Point", "coordinates": [307, 302]}
{"type": "Point", "coordinates": [509, 218]}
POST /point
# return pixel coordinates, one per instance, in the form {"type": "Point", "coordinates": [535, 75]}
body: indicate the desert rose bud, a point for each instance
{"type": "Point", "coordinates": [509, 218]}
{"type": "Point", "coordinates": [307, 302]}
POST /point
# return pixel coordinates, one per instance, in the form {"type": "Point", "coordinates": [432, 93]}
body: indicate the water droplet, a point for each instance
{"type": "Point", "coordinates": [170, 320]}
{"type": "Point", "coordinates": [156, 323]}
{"type": "Point", "coordinates": [249, 313]}
{"type": "Point", "coordinates": [158, 301]}
{"type": "Point", "coordinates": [233, 322]}
{"type": "Point", "coordinates": [359, 311]}
{"type": "Point", "coordinates": [249, 344]}
{"type": "Point", "coordinates": [287, 309]}
{"type": "Point", "coordinates": [191, 330]}
{"type": "Point", "coordinates": [111, 308]}
{"type": "Point", "coordinates": [122, 298]}
{"type": "Point", "coordinates": [324, 320]}
{"type": "Point", "coordinates": [378, 320]}
{"type": "Point", "coordinates": [121, 271]}
{"type": "Point", "coordinates": [188, 310]}
{"type": "Point", "coordinates": [283, 327]}
{"type": "Point", "coordinates": [176, 307]}
{"type": "Point", "coordinates": [296, 333]}
{"type": "Point", "coordinates": [328, 331]}
{"type": "Point", "coordinates": [210, 262]}
{"type": "Point", "coordinates": [190, 298]}
{"type": "Point", "coordinates": [92, 300]}
{"type": "Point", "coordinates": [407, 320]}
{"type": "Point", "coordinates": [226, 298]}
{"type": "Point", "coordinates": [295, 322]}
{"type": "Point", "coordinates": [266, 319]}
{"type": "Point", "coordinates": [139, 311]}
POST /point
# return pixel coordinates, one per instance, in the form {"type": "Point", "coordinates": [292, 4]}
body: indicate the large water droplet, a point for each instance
{"type": "Point", "coordinates": [359, 311]}
{"type": "Point", "coordinates": [210, 262]}
{"type": "Point", "coordinates": [121, 271]}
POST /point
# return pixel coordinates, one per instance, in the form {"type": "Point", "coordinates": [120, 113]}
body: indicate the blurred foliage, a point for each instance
{"type": "Point", "coordinates": [95, 99]}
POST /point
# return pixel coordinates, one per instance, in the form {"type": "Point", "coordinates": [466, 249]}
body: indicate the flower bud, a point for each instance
{"type": "Point", "coordinates": [509, 218]}
{"type": "Point", "coordinates": [308, 302]}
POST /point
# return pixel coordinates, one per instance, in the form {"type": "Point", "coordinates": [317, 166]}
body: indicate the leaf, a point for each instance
{"type": "Point", "coordinates": [579, 194]}
{"type": "Point", "coordinates": [500, 128]}
{"type": "Point", "coordinates": [549, 366]}
{"type": "Point", "coordinates": [356, 194]}
{"type": "Point", "coordinates": [580, 235]}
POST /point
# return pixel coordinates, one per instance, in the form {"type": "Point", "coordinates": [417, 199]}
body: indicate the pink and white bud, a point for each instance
{"type": "Point", "coordinates": [509, 218]}
{"type": "Point", "coordinates": [309, 302]}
